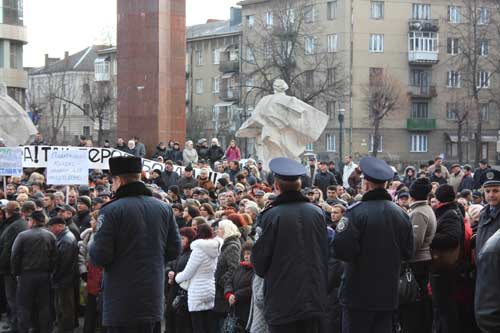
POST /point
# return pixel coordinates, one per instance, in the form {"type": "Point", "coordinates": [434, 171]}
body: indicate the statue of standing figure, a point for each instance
{"type": "Point", "coordinates": [282, 125]}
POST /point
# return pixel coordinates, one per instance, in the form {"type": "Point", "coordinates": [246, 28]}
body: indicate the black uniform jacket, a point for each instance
{"type": "Point", "coordinates": [488, 224]}
{"type": "Point", "coordinates": [292, 257]}
{"type": "Point", "coordinates": [373, 238]}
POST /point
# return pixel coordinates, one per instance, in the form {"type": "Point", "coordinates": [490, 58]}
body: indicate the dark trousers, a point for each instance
{"type": "Point", "coordinates": [65, 309]}
{"type": "Point", "coordinates": [178, 322]}
{"type": "Point", "coordinates": [139, 328]}
{"type": "Point", "coordinates": [33, 301]}
{"type": "Point", "coordinates": [92, 317]}
{"type": "Point", "coordinates": [417, 317]}
{"type": "Point", "coordinates": [357, 321]}
{"type": "Point", "coordinates": [10, 294]}
{"type": "Point", "coordinates": [203, 322]}
{"type": "Point", "coordinates": [313, 325]}
{"type": "Point", "coordinates": [446, 318]}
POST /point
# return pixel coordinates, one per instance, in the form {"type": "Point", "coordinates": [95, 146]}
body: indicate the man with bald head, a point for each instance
{"type": "Point", "coordinates": [15, 224]}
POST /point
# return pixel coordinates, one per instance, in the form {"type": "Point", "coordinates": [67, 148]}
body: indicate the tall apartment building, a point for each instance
{"type": "Point", "coordinates": [76, 95]}
{"type": "Point", "coordinates": [13, 37]}
{"type": "Point", "coordinates": [213, 79]}
{"type": "Point", "coordinates": [414, 41]}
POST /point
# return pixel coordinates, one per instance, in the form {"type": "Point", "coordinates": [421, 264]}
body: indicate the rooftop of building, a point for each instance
{"type": "Point", "coordinates": [82, 61]}
{"type": "Point", "coordinates": [212, 29]}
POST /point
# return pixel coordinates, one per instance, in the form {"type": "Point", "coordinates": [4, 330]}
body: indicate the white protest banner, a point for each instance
{"type": "Point", "coordinates": [11, 161]}
{"type": "Point", "coordinates": [68, 167]}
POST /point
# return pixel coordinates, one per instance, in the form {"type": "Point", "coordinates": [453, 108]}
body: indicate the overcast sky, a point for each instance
{"type": "Point", "coordinates": [55, 26]}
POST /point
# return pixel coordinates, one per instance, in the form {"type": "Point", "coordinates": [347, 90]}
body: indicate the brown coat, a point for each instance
{"type": "Point", "coordinates": [207, 184]}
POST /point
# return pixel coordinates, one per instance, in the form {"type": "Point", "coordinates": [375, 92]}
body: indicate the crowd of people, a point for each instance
{"type": "Point", "coordinates": [51, 276]}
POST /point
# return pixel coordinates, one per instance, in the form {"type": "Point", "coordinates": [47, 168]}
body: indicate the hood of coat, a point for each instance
{"type": "Point", "coordinates": [408, 168]}
{"type": "Point", "coordinates": [211, 247]}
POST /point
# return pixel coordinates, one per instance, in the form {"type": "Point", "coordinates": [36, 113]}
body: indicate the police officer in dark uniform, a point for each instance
{"type": "Point", "coordinates": [373, 238]}
{"type": "Point", "coordinates": [489, 222]}
{"type": "Point", "coordinates": [292, 255]}
{"type": "Point", "coordinates": [136, 236]}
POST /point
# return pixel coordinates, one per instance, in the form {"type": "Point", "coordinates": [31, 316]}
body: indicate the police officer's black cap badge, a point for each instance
{"type": "Point", "coordinates": [375, 170]}
{"type": "Point", "coordinates": [491, 178]}
{"type": "Point", "coordinates": [125, 165]}
{"type": "Point", "coordinates": [286, 169]}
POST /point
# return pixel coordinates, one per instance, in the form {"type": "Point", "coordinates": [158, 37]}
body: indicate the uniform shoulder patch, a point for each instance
{"type": "Point", "coordinates": [342, 225]}
{"type": "Point", "coordinates": [354, 205]}
{"type": "Point", "coordinates": [100, 220]}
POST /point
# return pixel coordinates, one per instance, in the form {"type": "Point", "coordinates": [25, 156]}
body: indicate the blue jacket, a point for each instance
{"type": "Point", "coordinates": [136, 236]}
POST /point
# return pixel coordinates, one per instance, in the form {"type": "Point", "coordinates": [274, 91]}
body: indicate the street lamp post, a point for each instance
{"type": "Point", "coordinates": [341, 134]}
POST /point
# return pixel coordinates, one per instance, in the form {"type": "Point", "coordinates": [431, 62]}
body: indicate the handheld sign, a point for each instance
{"type": "Point", "coordinates": [11, 161]}
{"type": "Point", "coordinates": [68, 167]}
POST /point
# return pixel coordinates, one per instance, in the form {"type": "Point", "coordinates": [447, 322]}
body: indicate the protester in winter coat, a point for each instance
{"type": "Point", "coordinates": [161, 151]}
{"type": "Point", "coordinates": [169, 176]}
{"type": "Point", "coordinates": [202, 149]}
{"type": "Point", "coordinates": [438, 176]}
{"type": "Point", "coordinates": [82, 218]}
{"type": "Point", "coordinates": [467, 182]}
{"type": "Point", "coordinates": [215, 152]}
{"type": "Point", "coordinates": [324, 178]}
{"type": "Point", "coordinates": [226, 265]}
{"type": "Point", "coordinates": [199, 271]}
{"type": "Point", "coordinates": [416, 317]}
{"type": "Point", "coordinates": [91, 274]}
{"type": "Point", "coordinates": [238, 291]}
{"type": "Point", "coordinates": [233, 152]}
{"type": "Point", "coordinates": [177, 314]}
{"type": "Point", "coordinates": [349, 167]}
{"type": "Point", "coordinates": [456, 176]}
{"type": "Point", "coordinates": [175, 154]}
{"type": "Point", "coordinates": [410, 176]}
{"type": "Point", "coordinates": [141, 148]}
{"type": "Point", "coordinates": [204, 181]}
{"type": "Point", "coordinates": [479, 172]}
{"type": "Point", "coordinates": [189, 155]}
{"type": "Point", "coordinates": [449, 236]}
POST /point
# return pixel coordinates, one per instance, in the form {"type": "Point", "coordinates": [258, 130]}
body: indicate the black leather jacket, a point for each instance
{"type": "Point", "coordinates": [66, 268]}
{"type": "Point", "coordinates": [487, 296]}
{"type": "Point", "coordinates": [15, 225]}
{"type": "Point", "coordinates": [34, 250]}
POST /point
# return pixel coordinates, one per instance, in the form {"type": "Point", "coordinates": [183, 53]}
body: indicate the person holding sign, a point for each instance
{"type": "Point", "coordinates": [136, 236]}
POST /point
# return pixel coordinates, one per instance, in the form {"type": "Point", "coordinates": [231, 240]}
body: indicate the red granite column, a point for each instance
{"type": "Point", "coordinates": [151, 70]}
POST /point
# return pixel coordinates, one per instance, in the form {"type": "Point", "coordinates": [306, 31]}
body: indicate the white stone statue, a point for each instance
{"type": "Point", "coordinates": [282, 125]}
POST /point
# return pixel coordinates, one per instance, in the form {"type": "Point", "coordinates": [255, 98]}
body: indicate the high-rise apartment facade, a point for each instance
{"type": "Point", "coordinates": [420, 45]}
{"type": "Point", "coordinates": [13, 37]}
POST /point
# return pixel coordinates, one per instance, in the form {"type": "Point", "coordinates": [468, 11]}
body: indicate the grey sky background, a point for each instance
{"type": "Point", "coordinates": [55, 26]}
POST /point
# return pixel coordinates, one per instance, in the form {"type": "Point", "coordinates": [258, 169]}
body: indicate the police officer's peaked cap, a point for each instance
{"type": "Point", "coordinates": [491, 178]}
{"type": "Point", "coordinates": [375, 170]}
{"type": "Point", "coordinates": [286, 169]}
{"type": "Point", "coordinates": [125, 164]}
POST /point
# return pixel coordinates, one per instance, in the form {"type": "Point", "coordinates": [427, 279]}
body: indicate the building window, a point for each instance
{"type": "Point", "coordinates": [332, 43]}
{"type": "Point", "coordinates": [86, 131]}
{"type": "Point", "coordinates": [376, 43]}
{"type": "Point", "coordinates": [419, 110]}
{"type": "Point", "coordinates": [331, 10]}
{"type": "Point", "coordinates": [421, 11]}
{"type": "Point", "coordinates": [2, 63]}
{"type": "Point", "coordinates": [453, 46]}
{"type": "Point", "coordinates": [418, 143]}
{"type": "Point", "coordinates": [12, 12]}
{"type": "Point", "coordinates": [483, 16]}
{"type": "Point", "coordinates": [454, 14]}
{"type": "Point", "coordinates": [483, 80]}
{"type": "Point", "coordinates": [372, 143]}
{"type": "Point", "coordinates": [377, 10]}
{"type": "Point", "coordinates": [269, 19]}
{"type": "Point", "coordinates": [309, 77]}
{"type": "Point", "coordinates": [453, 80]}
{"type": "Point", "coordinates": [423, 41]}
{"type": "Point", "coordinates": [485, 111]}
{"type": "Point", "coordinates": [376, 74]}
{"type": "Point", "coordinates": [451, 111]}
{"type": "Point", "coordinates": [199, 86]}
{"type": "Point", "coordinates": [482, 48]}
{"type": "Point", "coordinates": [16, 55]}
{"type": "Point", "coordinates": [420, 78]}
{"type": "Point", "coordinates": [331, 143]}
{"type": "Point", "coordinates": [250, 21]}
{"type": "Point", "coordinates": [310, 147]}
{"type": "Point", "coordinates": [199, 57]}
{"type": "Point", "coordinates": [330, 109]}
{"type": "Point", "coordinates": [216, 56]}
{"type": "Point", "coordinates": [330, 77]}
{"type": "Point", "coordinates": [309, 45]}
{"type": "Point", "coordinates": [215, 85]}
{"type": "Point", "coordinates": [309, 13]}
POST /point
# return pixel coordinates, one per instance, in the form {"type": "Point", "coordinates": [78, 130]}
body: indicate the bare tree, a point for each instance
{"type": "Point", "coordinates": [476, 60]}
{"type": "Point", "coordinates": [288, 47]}
{"type": "Point", "coordinates": [197, 120]}
{"type": "Point", "coordinates": [384, 95]}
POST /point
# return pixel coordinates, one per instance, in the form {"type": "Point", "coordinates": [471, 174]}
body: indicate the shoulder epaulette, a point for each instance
{"type": "Point", "coordinates": [354, 205]}
{"type": "Point", "coordinates": [107, 203]}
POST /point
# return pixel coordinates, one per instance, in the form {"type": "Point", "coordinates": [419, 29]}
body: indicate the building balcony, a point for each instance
{"type": "Point", "coordinates": [423, 57]}
{"type": "Point", "coordinates": [420, 124]}
{"type": "Point", "coordinates": [423, 25]}
{"type": "Point", "coordinates": [227, 66]}
{"type": "Point", "coordinates": [428, 91]}
{"type": "Point", "coordinates": [229, 94]}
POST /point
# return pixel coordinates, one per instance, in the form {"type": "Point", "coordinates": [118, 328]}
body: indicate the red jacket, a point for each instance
{"type": "Point", "coordinates": [233, 154]}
